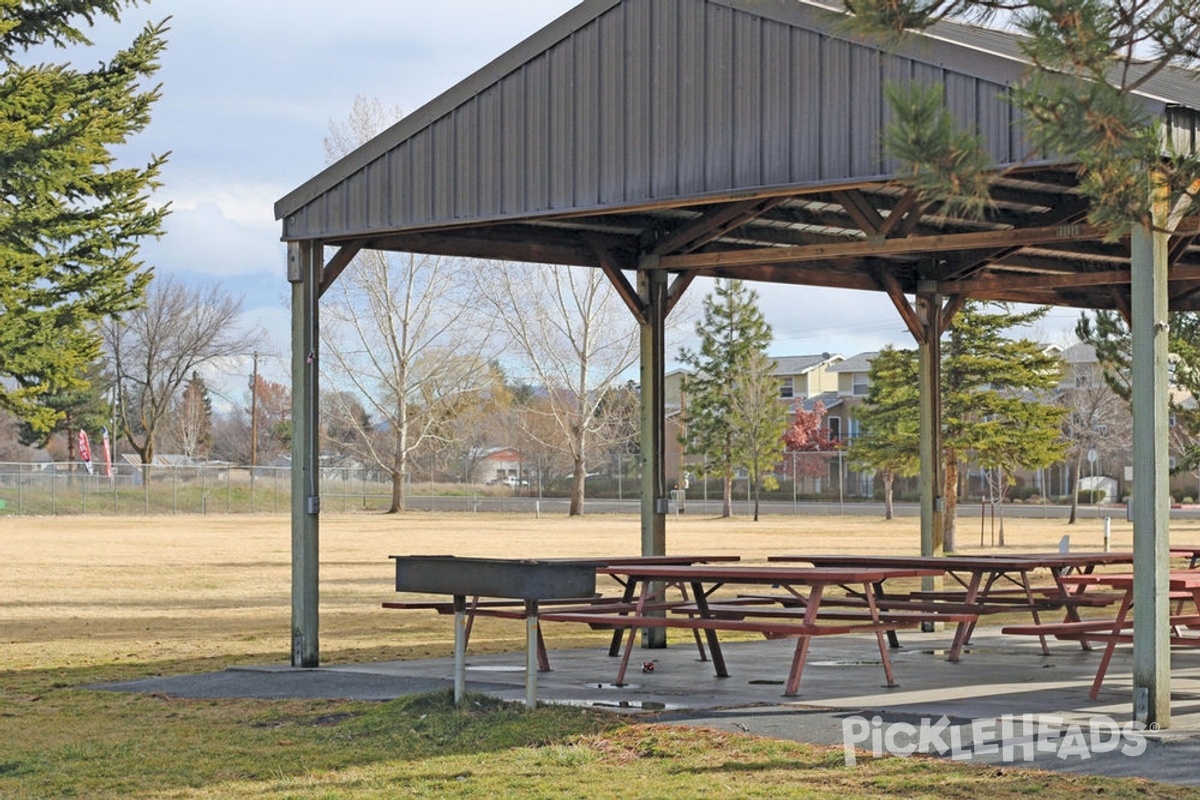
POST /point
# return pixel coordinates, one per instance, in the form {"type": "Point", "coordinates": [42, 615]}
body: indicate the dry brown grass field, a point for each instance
{"type": "Point", "coordinates": [82, 591]}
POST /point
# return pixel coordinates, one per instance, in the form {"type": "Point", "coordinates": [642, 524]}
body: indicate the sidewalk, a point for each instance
{"type": "Point", "coordinates": [997, 683]}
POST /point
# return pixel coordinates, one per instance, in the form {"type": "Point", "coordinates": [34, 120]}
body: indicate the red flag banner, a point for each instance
{"type": "Point", "coordinates": [107, 452]}
{"type": "Point", "coordinates": [85, 450]}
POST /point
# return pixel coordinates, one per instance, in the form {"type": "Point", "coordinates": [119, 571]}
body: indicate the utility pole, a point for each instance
{"type": "Point", "coordinates": [254, 415]}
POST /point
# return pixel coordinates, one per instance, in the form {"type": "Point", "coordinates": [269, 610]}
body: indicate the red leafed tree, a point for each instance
{"type": "Point", "coordinates": [806, 438]}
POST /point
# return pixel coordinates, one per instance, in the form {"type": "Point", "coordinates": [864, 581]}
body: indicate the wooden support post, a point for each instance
{"type": "Point", "coordinates": [652, 288]}
{"type": "Point", "coordinates": [929, 380]}
{"type": "Point", "coordinates": [304, 273]}
{"type": "Point", "coordinates": [1151, 500]}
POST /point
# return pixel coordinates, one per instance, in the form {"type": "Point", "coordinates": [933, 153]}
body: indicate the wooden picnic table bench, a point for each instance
{"type": "Point", "coordinates": [807, 585]}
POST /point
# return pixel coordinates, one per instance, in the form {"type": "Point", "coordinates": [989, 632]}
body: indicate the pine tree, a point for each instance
{"type": "Point", "coordinates": [71, 217]}
{"type": "Point", "coordinates": [888, 418]}
{"type": "Point", "coordinates": [996, 411]}
{"type": "Point", "coordinates": [731, 331]}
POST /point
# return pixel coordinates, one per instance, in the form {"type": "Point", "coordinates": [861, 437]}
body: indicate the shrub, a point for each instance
{"type": "Point", "coordinates": [1090, 496]}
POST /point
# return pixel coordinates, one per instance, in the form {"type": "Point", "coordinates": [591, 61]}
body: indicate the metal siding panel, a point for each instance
{"type": "Point", "coordinates": [490, 178]}
{"type": "Point", "coordinates": [537, 128]}
{"type": "Point", "coordinates": [442, 174]}
{"type": "Point", "coordinates": [776, 99]}
{"type": "Point", "coordinates": [960, 100]}
{"type": "Point", "coordinates": [379, 192]}
{"type": "Point", "coordinates": [669, 85]}
{"type": "Point", "coordinates": [806, 106]}
{"type": "Point", "coordinates": [513, 145]}
{"type": "Point", "coordinates": [746, 76]}
{"type": "Point", "coordinates": [897, 70]}
{"type": "Point", "coordinates": [835, 109]}
{"type": "Point", "coordinates": [421, 192]}
{"type": "Point", "coordinates": [562, 115]}
{"type": "Point", "coordinates": [587, 141]}
{"type": "Point", "coordinates": [640, 60]}
{"type": "Point", "coordinates": [718, 118]}
{"type": "Point", "coordinates": [995, 121]}
{"type": "Point", "coordinates": [610, 120]}
{"type": "Point", "coordinates": [691, 99]}
{"type": "Point", "coordinates": [865, 133]}
{"type": "Point", "coordinates": [466, 160]}
{"type": "Point", "coordinates": [355, 213]}
{"type": "Point", "coordinates": [400, 186]}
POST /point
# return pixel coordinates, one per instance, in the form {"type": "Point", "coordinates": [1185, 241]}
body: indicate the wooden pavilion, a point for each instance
{"type": "Point", "coordinates": [661, 140]}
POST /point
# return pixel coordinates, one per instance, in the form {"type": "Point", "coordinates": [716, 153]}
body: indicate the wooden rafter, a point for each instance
{"type": "Point", "coordinates": [612, 270]}
{"type": "Point", "coordinates": [888, 283]}
{"type": "Point", "coordinates": [710, 226]}
{"type": "Point", "coordinates": [337, 265]}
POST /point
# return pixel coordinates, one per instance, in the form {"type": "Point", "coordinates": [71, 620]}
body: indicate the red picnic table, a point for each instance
{"type": "Point", "coordinates": [799, 584]}
{"type": "Point", "coordinates": [987, 584]}
{"type": "Point", "coordinates": [1183, 586]}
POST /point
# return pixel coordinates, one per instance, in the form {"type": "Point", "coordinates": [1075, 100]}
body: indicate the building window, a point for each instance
{"type": "Point", "coordinates": [786, 388]}
{"type": "Point", "coordinates": [835, 428]}
{"type": "Point", "coordinates": [860, 385]}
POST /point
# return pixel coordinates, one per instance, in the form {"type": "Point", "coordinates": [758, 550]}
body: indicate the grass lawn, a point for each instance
{"type": "Point", "coordinates": [88, 600]}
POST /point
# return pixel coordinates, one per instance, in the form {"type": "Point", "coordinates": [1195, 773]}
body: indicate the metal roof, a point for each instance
{"type": "Point", "coordinates": [728, 138]}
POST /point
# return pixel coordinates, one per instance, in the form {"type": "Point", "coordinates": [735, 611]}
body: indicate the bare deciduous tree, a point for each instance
{"type": "Point", "coordinates": [403, 334]}
{"type": "Point", "coordinates": [576, 338]}
{"type": "Point", "coordinates": [154, 349]}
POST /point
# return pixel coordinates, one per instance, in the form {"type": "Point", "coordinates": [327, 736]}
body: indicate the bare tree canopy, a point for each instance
{"type": "Point", "coordinates": [155, 349]}
{"type": "Point", "coordinates": [576, 338]}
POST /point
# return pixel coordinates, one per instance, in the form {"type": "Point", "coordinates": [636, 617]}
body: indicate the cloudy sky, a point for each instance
{"type": "Point", "coordinates": [250, 88]}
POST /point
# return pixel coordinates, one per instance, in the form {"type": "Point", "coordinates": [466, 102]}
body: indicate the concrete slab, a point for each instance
{"type": "Point", "coordinates": [1004, 702]}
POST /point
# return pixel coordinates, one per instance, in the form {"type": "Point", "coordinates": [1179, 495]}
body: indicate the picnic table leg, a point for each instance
{"type": "Point", "coordinates": [883, 650]}
{"type": "Point", "coordinates": [614, 647]}
{"type": "Point", "coordinates": [714, 644]}
{"type": "Point", "coordinates": [963, 631]}
{"type": "Point", "coordinates": [543, 657]}
{"type": "Point", "coordinates": [802, 642]}
{"type": "Point", "coordinates": [1072, 613]}
{"type": "Point", "coordinates": [532, 642]}
{"type": "Point", "coordinates": [892, 637]}
{"type": "Point", "coordinates": [460, 647]}
{"type": "Point", "coordinates": [1126, 602]}
{"type": "Point", "coordinates": [1037, 620]}
{"type": "Point", "coordinates": [695, 633]}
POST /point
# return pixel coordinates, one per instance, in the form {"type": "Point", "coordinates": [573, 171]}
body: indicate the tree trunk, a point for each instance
{"type": "Point", "coordinates": [757, 496]}
{"type": "Point", "coordinates": [578, 482]}
{"type": "Point", "coordinates": [397, 492]}
{"type": "Point", "coordinates": [949, 521]}
{"type": "Point", "coordinates": [889, 478]}
{"type": "Point", "coordinates": [1073, 478]}
{"type": "Point", "coordinates": [727, 495]}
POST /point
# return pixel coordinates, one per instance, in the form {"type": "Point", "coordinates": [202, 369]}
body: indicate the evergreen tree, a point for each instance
{"type": "Point", "coordinates": [996, 411]}
{"type": "Point", "coordinates": [71, 218]}
{"type": "Point", "coordinates": [995, 408]}
{"type": "Point", "coordinates": [83, 406]}
{"type": "Point", "coordinates": [731, 331]}
{"type": "Point", "coordinates": [888, 418]}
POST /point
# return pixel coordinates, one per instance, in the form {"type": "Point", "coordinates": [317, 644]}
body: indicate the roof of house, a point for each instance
{"type": "Point", "coordinates": [798, 365]}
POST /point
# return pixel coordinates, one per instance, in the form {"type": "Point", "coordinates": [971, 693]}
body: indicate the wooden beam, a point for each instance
{"type": "Point", "coordinates": [951, 309]}
{"type": "Point", "coordinates": [904, 216]}
{"type": "Point", "coordinates": [675, 291]}
{"type": "Point", "coordinates": [911, 246]}
{"type": "Point", "coordinates": [625, 290]}
{"type": "Point", "coordinates": [700, 232]}
{"type": "Point", "coordinates": [907, 313]}
{"type": "Point", "coordinates": [337, 265]}
{"type": "Point", "coordinates": [861, 211]}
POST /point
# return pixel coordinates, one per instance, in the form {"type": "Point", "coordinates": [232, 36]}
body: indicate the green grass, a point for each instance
{"type": "Point", "coordinates": [61, 740]}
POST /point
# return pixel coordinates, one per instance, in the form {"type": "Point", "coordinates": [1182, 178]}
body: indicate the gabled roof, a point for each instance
{"type": "Point", "coordinates": [859, 362]}
{"type": "Point", "coordinates": [729, 138]}
{"type": "Point", "coordinates": [798, 365]}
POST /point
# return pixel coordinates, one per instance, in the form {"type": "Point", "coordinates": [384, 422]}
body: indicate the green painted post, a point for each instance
{"type": "Point", "coordinates": [929, 355]}
{"type": "Point", "coordinates": [652, 289]}
{"type": "Point", "coordinates": [304, 273]}
{"type": "Point", "coordinates": [1151, 498]}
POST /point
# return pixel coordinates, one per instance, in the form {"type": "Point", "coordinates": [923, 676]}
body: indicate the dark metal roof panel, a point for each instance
{"type": "Point", "coordinates": [626, 103]}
